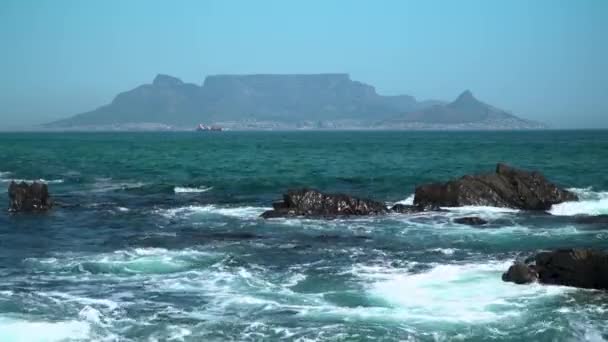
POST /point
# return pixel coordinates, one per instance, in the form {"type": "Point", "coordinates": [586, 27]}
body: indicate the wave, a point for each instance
{"type": "Point", "coordinates": [591, 203]}
{"type": "Point", "coordinates": [41, 180]}
{"type": "Point", "coordinates": [181, 189]}
{"type": "Point", "coordinates": [132, 261]}
{"type": "Point", "coordinates": [107, 185]}
{"type": "Point", "coordinates": [247, 212]}
{"type": "Point", "coordinates": [465, 293]}
{"type": "Point", "coordinates": [407, 201]}
{"type": "Point", "coordinates": [14, 329]}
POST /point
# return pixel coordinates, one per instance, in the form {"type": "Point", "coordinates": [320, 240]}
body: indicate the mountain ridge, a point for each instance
{"type": "Point", "coordinates": [279, 101]}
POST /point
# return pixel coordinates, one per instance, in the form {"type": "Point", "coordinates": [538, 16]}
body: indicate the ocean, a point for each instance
{"type": "Point", "coordinates": [156, 237]}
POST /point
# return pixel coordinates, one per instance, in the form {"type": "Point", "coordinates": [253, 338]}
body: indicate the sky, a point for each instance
{"type": "Point", "coordinates": [544, 60]}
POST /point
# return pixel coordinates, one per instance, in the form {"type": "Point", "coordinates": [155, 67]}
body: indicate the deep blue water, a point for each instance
{"type": "Point", "coordinates": [156, 236]}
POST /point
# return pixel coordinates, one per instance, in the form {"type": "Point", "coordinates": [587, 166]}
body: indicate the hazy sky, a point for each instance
{"type": "Point", "coordinates": [543, 60]}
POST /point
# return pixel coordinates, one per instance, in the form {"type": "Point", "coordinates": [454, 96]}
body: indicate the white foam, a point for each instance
{"type": "Point", "coordinates": [446, 251]}
{"type": "Point", "coordinates": [471, 293]}
{"type": "Point", "coordinates": [41, 180]}
{"type": "Point", "coordinates": [408, 201]}
{"type": "Point", "coordinates": [188, 211]}
{"type": "Point", "coordinates": [185, 190]}
{"type": "Point", "coordinates": [19, 330]}
{"type": "Point", "coordinates": [133, 261]}
{"type": "Point", "coordinates": [91, 315]}
{"type": "Point", "coordinates": [591, 203]}
{"type": "Point", "coordinates": [106, 185]}
{"type": "Point", "coordinates": [481, 209]}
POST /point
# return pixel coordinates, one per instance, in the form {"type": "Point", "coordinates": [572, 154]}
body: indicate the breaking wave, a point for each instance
{"type": "Point", "coordinates": [590, 203]}
{"type": "Point", "coordinates": [181, 189]}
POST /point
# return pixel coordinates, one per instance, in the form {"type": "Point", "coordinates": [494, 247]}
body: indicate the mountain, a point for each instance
{"type": "Point", "coordinates": [464, 112]}
{"type": "Point", "coordinates": [274, 102]}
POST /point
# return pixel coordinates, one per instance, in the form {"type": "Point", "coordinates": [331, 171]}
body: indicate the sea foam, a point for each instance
{"type": "Point", "coordinates": [192, 210]}
{"type": "Point", "coordinates": [590, 203]}
{"type": "Point", "coordinates": [185, 190]}
{"type": "Point", "coordinates": [466, 293]}
{"type": "Point", "coordinates": [32, 331]}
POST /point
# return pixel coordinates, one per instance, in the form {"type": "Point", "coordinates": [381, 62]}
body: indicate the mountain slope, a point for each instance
{"type": "Point", "coordinates": [278, 101]}
{"type": "Point", "coordinates": [464, 111]}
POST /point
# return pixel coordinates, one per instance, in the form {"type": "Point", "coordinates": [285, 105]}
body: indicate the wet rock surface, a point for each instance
{"type": "Point", "coordinates": [506, 187]}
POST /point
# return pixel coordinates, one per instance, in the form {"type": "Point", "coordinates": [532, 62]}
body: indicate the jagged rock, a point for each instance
{"type": "Point", "coordinates": [29, 197]}
{"type": "Point", "coordinates": [507, 187]}
{"type": "Point", "coordinates": [471, 220]}
{"type": "Point", "coordinates": [584, 268]}
{"type": "Point", "coordinates": [312, 203]}
{"type": "Point", "coordinates": [407, 209]}
{"type": "Point", "coordinates": [520, 273]}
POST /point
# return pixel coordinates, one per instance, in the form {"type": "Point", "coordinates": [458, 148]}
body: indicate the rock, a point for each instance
{"type": "Point", "coordinates": [312, 203]}
{"type": "Point", "coordinates": [412, 209]}
{"type": "Point", "coordinates": [406, 209]}
{"type": "Point", "coordinates": [471, 220]}
{"type": "Point", "coordinates": [29, 197]}
{"type": "Point", "coordinates": [520, 273]}
{"type": "Point", "coordinates": [507, 187]}
{"type": "Point", "coordinates": [585, 268]}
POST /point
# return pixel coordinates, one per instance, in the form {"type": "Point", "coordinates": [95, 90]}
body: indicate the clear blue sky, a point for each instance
{"type": "Point", "coordinates": [543, 60]}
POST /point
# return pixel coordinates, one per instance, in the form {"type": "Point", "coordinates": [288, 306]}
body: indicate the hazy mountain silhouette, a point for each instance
{"type": "Point", "coordinates": [282, 99]}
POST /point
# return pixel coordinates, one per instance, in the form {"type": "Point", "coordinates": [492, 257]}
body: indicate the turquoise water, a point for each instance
{"type": "Point", "coordinates": [156, 237]}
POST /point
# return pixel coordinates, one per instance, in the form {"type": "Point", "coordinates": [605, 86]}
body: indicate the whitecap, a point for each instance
{"type": "Point", "coordinates": [132, 261]}
{"type": "Point", "coordinates": [33, 331]}
{"type": "Point", "coordinates": [185, 190]}
{"type": "Point", "coordinates": [189, 211]}
{"type": "Point", "coordinates": [591, 203]}
{"type": "Point", "coordinates": [90, 314]}
{"type": "Point", "coordinates": [481, 209]}
{"type": "Point", "coordinates": [445, 251]}
{"type": "Point", "coordinates": [407, 201]}
{"type": "Point", "coordinates": [466, 293]}
{"type": "Point", "coordinates": [41, 180]}
{"type": "Point", "coordinates": [107, 185]}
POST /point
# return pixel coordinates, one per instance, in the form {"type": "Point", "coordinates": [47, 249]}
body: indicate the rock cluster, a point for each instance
{"type": "Point", "coordinates": [29, 197]}
{"type": "Point", "coordinates": [309, 202]}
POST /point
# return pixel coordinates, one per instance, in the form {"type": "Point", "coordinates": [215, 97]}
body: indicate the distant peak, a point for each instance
{"type": "Point", "coordinates": [466, 95]}
{"type": "Point", "coordinates": [166, 80]}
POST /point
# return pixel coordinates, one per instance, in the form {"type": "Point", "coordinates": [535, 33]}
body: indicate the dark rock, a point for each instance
{"type": "Point", "coordinates": [312, 203]}
{"type": "Point", "coordinates": [520, 273]}
{"type": "Point", "coordinates": [412, 209]}
{"type": "Point", "coordinates": [585, 268]}
{"type": "Point", "coordinates": [471, 221]}
{"type": "Point", "coordinates": [507, 187]}
{"type": "Point", "coordinates": [407, 209]}
{"type": "Point", "coordinates": [29, 197]}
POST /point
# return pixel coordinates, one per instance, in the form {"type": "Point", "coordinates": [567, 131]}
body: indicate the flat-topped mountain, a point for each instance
{"type": "Point", "coordinates": [276, 101]}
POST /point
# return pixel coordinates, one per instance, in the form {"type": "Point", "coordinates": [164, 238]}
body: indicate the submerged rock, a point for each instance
{"type": "Point", "coordinates": [471, 220]}
{"type": "Point", "coordinates": [312, 203]}
{"type": "Point", "coordinates": [29, 197]}
{"type": "Point", "coordinates": [584, 268]}
{"type": "Point", "coordinates": [406, 209]}
{"type": "Point", "coordinates": [520, 273]}
{"type": "Point", "coordinates": [507, 187]}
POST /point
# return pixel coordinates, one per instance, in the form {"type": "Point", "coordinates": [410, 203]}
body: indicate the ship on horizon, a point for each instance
{"type": "Point", "coordinates": [203, 128]}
